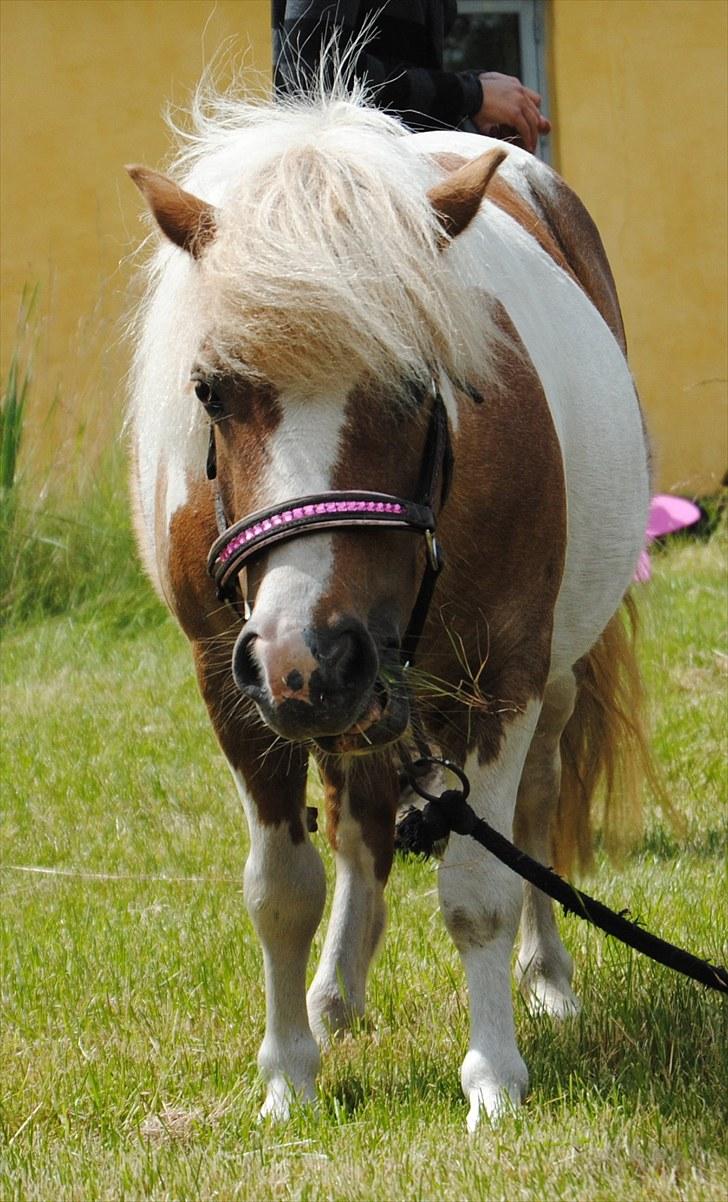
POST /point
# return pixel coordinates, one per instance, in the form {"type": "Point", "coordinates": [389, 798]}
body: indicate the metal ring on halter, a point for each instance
{"type": "Point", "coordinates": [426, 760]}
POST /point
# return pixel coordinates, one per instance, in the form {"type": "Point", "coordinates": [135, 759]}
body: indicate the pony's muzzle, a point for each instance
{"type": "Point", "coordinates": [308, 683]}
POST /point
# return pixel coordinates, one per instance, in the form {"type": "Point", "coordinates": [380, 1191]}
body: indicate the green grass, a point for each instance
{"type": "Point", "coordinates": [69, 546]}
{"type": "Point", "coordinates": [132, 983]}
{"type": "Point", "coordinates": [66, 540]}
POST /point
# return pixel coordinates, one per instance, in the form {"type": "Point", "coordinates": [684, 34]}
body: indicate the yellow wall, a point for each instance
{"type": "Point", "coordinates": [638, 93]}
{"type": "Point", "coordinates": [84, 83]}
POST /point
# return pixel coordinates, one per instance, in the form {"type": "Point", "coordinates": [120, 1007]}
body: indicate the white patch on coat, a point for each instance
{"type": "Point", "coordinates": [451, 405]}
{"type": "Point", "coordinates": [302, 452]}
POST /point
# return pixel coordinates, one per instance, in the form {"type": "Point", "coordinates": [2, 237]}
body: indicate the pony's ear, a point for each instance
{"type": "Point", "coordinates": [186, 220]}
{"type": "Point", "coordinates": [457, 199]}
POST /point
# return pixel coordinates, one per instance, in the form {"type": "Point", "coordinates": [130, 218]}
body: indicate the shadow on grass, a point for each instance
{"type": "Point", "coordinates": [646, 1040]}
{"type": "Point", "coordinates": [653, 1038]}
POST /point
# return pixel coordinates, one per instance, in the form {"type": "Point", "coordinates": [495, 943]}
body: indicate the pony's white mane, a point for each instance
{"type": "Point", "coordinates": [327, 262]}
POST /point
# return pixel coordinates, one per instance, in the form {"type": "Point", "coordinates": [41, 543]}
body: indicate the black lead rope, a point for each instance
{"type": "Point", "coordinates": [419, 830]}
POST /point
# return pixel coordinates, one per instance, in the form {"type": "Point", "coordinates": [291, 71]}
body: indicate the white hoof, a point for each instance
{"type": "Point", "coordinates": [281, 1099]}
{"type": "Point", "coordinates": [492, 1102]}
{"type": "Point", "coordinates": [492, 1093]}
{"type": "Point", "coordinates": [329, 1014]}
{"type": "Point", "coordinates": [552, 998]}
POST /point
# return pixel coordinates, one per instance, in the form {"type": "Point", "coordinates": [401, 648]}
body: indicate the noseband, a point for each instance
{"type": "Point", "coordinates": [240, 542]}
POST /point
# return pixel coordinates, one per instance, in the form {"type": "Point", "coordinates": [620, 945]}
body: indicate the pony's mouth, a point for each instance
{"type": "Point", "coordinates": [383, 721]}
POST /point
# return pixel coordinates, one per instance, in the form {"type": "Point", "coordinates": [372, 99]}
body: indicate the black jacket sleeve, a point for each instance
{"type": "Point", "coordinates": [424, 96]}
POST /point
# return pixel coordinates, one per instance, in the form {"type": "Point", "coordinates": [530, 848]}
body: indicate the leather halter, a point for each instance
{"type": "Point", "coordinates": [239, 542]}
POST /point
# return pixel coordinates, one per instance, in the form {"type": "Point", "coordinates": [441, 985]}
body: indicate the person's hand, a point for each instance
{"type": "Point", "coordinates": [506, 101]}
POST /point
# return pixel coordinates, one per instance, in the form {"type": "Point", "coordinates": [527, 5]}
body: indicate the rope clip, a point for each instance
{"type": "Point", "coordinates": [418, 768]}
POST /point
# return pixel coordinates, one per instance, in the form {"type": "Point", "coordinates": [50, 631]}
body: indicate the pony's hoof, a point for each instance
{"type": "Point", "coordinates": [493, 1103]}
{"type": "Point", "coordinates": [329, 1015]}
{"type": "Point", "coordinates": [555, 999]}
{"type": "Point", "coordinates": [492, 1093]}
{"type": "Point", "coordinates": [281, 1100]}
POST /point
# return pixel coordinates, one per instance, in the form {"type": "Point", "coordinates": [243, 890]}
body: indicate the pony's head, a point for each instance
{"type": "Point", "coordinates": [325, 307]}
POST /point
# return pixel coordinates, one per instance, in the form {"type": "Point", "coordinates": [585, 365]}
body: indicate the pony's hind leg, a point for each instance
{"type": "Point", "coordinates": [544, 967]}
{"type": "Point", "coordinates": [361, 810]}
{"type": "Point", "coordinates": [481, 903]}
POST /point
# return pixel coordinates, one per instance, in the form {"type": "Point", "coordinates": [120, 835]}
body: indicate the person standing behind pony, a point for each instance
{"type": "Point", "coordinates": [398, 49]}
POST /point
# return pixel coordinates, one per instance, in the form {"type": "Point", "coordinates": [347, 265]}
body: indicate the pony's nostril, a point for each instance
{"type": "Point", "coordinates": [246, 672]}
{"type": "Point", "coordinates": [295, 681]}
{"type": "Point", "coordinates": [347, 659]}
{"type": "Point", "coordinates": [342, 659]}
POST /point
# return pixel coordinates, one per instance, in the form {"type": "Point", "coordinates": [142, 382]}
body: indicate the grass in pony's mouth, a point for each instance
{"type": "Point", "coordinates": [383, 722]}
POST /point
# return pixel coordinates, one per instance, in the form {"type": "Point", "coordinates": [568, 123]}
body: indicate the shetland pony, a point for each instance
{"type": "Point", "coordinates": [326, 280]}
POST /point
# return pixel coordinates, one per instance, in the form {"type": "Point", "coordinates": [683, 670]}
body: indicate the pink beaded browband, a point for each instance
{"type": "Point", "coordinates": [307, 515]}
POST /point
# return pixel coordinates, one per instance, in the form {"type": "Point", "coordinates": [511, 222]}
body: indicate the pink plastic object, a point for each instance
{"type": "Point", "coordinates": [667, 514]}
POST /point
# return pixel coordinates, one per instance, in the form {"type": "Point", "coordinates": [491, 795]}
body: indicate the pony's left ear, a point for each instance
{"type": "Point", "coordinates": [457, 199]}
{"type": "Point", "coordinates": [186, 220]}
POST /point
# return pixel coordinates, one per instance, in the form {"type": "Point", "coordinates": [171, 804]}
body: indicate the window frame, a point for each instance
{"type": "Point", "coordinates": [531, 34]}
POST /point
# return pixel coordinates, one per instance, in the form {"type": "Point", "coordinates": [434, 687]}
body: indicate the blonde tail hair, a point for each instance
{"type": "Point", "coordinates": [605, 742]}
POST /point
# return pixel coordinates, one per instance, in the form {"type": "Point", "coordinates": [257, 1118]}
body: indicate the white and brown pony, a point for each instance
{"type": "Point", "coordinates": [328, 284]}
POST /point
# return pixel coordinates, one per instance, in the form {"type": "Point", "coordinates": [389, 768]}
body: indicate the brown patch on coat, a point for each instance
{"type": "Point", "coordinates": [192, 530]}
{"type": "Point", "coordinates": [503, 533]}
{"type": "Point", "coordinates": [472, 930]}
{"type": "Point", "coordinates": [372, 786]}
{"type": "Point", "coordinates": [577, 235]}
{"type": "Point", "coordinates": [241, 436]}
{"type": "Point", "coordinates": [487, 642]}
{"type": "Point", "coordinates": [448, 160]}
{"type": "Point", "coordinates": [512, 203]}
{"type": "Point", "coordinates": [573, 229]}
{"type": "Point", "coordinates": [563, 227]}
{"type": "Point", "coordinates": [274, 773]}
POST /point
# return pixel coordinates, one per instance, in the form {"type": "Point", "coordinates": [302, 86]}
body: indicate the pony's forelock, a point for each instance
{"type": "Point", "coordinates": [327, 263]}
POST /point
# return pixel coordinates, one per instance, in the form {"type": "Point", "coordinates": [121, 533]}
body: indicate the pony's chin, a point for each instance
{"type": "Point", "coordinates": [384, 721]}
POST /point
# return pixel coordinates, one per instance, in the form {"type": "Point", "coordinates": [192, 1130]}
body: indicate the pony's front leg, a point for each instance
{"type": "Point", "coordinates": [285, 889]}
{"type": "Point", "coordinates": [361, 808]}
{"type": "Point", "coordinates": [481, 904]}
{"type": "Point", "coordinates": [284, 881]}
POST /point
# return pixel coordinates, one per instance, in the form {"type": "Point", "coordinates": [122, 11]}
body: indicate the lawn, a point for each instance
{"type": "Point", "coordinates": [132, 983]}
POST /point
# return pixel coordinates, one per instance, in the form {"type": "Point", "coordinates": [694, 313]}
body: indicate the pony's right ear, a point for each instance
{"type": "Point", "coordinates": [457, 199]}
{"type": "Point", "coordinates": [186, 220]}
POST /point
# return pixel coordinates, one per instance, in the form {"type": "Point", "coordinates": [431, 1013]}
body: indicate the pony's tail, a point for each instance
{"type": "Point", "coordinates": [605, 742]}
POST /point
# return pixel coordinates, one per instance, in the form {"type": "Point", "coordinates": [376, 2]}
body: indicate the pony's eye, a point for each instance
{"type": "Point", "coordinates": [207, 396]}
